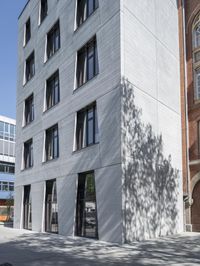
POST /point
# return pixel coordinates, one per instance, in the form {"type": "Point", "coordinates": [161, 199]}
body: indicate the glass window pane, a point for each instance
{"type": "Point", "coordinates": [90, 127]}
{"type": "Point", "coordinates": [51, 207]}
{"type": "Point", "coordinates": [90, 68]}
{"type": "Point", "coordinates": [80, 129]}
{"type": "Point", "coordinates": [86, 213]}
{"type": "Point", "coordinates": [90, 7]}
{"type": "Point", "coordinates": [96, 127]}
{"type": "Point", "coordinates": [27, 208]}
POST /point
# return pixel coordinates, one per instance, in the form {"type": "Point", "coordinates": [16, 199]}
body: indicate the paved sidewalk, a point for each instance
{"type": "Point", "coordinates": [22, 248]}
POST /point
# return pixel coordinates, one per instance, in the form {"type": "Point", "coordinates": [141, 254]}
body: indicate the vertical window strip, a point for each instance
{"type": "Point", "coordinates": [86, 127]}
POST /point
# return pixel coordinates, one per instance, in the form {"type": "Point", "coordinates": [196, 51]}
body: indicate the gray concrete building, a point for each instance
{"type": "Point", "coordinates": [98, 150]}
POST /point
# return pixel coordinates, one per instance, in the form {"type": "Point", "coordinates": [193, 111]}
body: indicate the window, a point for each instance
{"type": "Point", "coordinates": [7, 168]}
{"type": "Point", "coordinates": [29, 110]}
{"type": "Point", "coordinates": [27, 208]}
{"type": "Point", "coordinates": [6, 186]}
{"type": "Point", "coordinates": [11, 186]}
{"type": "Point", "coordinates": [84, 9]}
{"type": "Point", "coordinates": [87, 127]}
{"type": "Point", "coordinates": [51, 207]}
{"type": "Point", "coordinates": [27, 34]}
{"type": "Point", "coordinates": [197, 84]}
{"type": "Point", "coordinates": [53, 40]}
{"type": "Point", "coordinates": [197, 36]}
{"type": "Point", "coordinates": [86, 209]}
{"type": "Point", "coordinates": [43, 10]}
{"type": "Point", "coordinates": [1, 130]}
{"type": "Point", "coordinates": [87, 62]}
{"type": "Point", "coordinates": [196, 57]}
{"type": "Point", "coordinates": [28, 154]}
{"type": "Point", "coordinates": [30, 67]}
{"type": "Point", "coordinates": [52, 143]}
{"type": "Point", "coordinates": [52, 90]}
{"type": "Point", "coordinates": [12, 132]}
{"type": "Point", "coordinates": [7, 131]}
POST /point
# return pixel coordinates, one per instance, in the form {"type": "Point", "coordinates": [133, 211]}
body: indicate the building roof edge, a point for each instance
{"type": "Point", "coordinates": [23, 8]}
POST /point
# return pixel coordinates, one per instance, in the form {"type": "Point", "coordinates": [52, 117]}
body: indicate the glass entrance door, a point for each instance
{"type": "Point", "coordinates": [27, 208]}
{"type": "Point", "coordinates": [51, 208]}
{"type": "Point", "coordinates": [86, 210]}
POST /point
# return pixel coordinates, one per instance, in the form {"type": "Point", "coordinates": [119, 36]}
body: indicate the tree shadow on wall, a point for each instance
{"type": "Point", "coordinates": [150, 183]}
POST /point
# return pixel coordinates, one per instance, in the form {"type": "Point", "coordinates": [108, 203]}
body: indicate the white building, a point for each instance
{"type": "Point", "coordinates": [98, 150]}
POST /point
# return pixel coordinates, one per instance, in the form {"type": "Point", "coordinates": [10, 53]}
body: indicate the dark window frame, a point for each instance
{"type": "Point", "coordinates": [84, 55]}
{"type": "Point", "coordinates": [83, 126]}
{"type": "Point", "coordinates": [28, 154]}
{"type": "Point", "coordinates": [51, 139]}
{"type": "Point", "coordinates": [27, 35]}
{"type": "Point", "coordinates": [51, 207]}
{"type": "Point", "coordinates": [52, 90]}
{"type": "Point", "coordinates": [29, 110]}
{"type": "Point", "coordinates": [27, 211]}
{"type": "Point", "coordinates": [83, 11]}
{"type": "Point", "coordinates": [52, 45]}
{"type": "Point", "coordinates": [7, 168]}
{"type": "Point", "coordinates": [30, 67]}
{"type": "Point", "coordinates": [86, 216]}
{"type": "Point", "coordinates": [43, 10]}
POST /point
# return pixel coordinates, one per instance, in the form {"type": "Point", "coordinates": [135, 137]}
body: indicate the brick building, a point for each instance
{"type": "Point", "coordinates": [189, 18]}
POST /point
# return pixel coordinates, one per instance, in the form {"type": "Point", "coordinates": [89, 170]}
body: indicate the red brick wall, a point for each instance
{"type": "Point", "coordinates": [195, 211]}
{"type": "Point", "coordinates": [192, 8]}
{"type": "Point", "coordinates": [183, 99]}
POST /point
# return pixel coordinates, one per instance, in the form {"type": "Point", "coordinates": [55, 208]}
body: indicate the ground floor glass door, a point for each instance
{"type": "Point", "coordinates": [27, 208]}
{"type": "Point", "coordinates": [86, 210]}
{"type": "Point", "coordinates": [51, 207]}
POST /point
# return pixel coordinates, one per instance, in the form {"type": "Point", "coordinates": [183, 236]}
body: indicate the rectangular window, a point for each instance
{"type": "Point", "coordinates": [84, 9]}
{"type": "Point", "coordinates": [4, 186]}
{"type": "Point", "coordinates": [1, 130]}
{"type": "Point", "coordinates": [87, 127]}
{"type": "Point", "coordinates": [7, 131]}
{"type": "Point", "coordinates": [52, 90]}
{"type": "Point", "coordinates": [51, 207]}
{"type": "Point", "coordinates": [86, 209]}
{"type": "Point", "coordinates": [43, 10]}
{"type": "Point", "coordinates": [52, 143]}
{"type": "Point", "coordinates": [87, 62]}
{"type": "Point", "coordinates": [30, 67]}
{"type": "Point", "coordinates": [29, 110]}
{"type": "Point", "coordinates": [12, 132]}
{"type": "Point", "coordinates": [27, 34]}
{"type": "Point", "coordinates": [53, 40]}
{"type": "Point", "coordinates": [27, 208]}
{"type": "Point", "coordinates": [28, 154]}
{"type": "Point", "coordinates": [7, 168]}
{"type": "Point", "coordinates": [11, 186]}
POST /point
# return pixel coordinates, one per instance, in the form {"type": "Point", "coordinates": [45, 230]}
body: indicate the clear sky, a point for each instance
{"type": "Point", "coordinates": [9, 12]}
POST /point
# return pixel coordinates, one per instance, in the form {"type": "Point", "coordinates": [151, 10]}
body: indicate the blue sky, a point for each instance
{"type": "Point", "coordinates": [9, 12]}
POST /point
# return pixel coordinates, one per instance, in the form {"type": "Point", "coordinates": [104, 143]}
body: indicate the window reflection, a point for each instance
{"type": "Point", "coordinates": [86, 211]}
{"type": "Point", "coordinates": [51, 210]}
{"type": "Point", "coordinates": [27, 208]}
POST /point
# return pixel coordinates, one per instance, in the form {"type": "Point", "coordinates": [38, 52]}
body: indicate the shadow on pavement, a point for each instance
{"type": "Point", "coordinates": [43, 249]}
